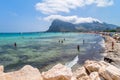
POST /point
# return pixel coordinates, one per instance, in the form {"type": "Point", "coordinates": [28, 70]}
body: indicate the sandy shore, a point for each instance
{"type": "Point", "coordinates": [114, 53]}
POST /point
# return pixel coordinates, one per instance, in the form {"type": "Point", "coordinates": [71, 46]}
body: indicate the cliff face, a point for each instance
{"type": "Point", "coordinates": [62, 26]}
{"type": "Point", "coordinates": [91, 70]}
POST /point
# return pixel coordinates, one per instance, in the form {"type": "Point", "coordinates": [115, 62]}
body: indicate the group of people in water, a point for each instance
{"type": "Point", "coordinates": [61, 41]}
{"type": "Point", "coordinates": [78, 46]}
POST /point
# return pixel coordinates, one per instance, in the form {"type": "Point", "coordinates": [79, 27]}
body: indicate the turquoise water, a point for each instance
{"type": "Point", "coordinates": [43, 50]}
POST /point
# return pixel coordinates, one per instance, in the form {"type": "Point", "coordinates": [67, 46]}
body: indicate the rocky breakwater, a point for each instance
{"type": "Point", "coordinates": [91, 70]}
{"type": "Point", "coordinates": [26, 73]}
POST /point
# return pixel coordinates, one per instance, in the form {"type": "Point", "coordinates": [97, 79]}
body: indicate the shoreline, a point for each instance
{"type": "Point", "coordinates": [92, 53]}
{"type": "Point", "coordinates": [110, 53]}
{"type": "Point", "coordinates": [90, 70]}
{"type": "Point", "coordinates": [38, 48]}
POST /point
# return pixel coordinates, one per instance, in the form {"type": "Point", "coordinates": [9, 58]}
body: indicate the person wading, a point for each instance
{"type": "Point", "coordinates": [78, 48]}
{"type": "Point", "coordinates": [15, 45]}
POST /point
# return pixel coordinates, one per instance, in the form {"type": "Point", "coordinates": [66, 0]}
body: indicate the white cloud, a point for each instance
{"type": "Point", "coordinates": [101, 3]}
{"type": "Point", "coordinates": [72, 19]}
{"type": "Point", "coordinates": [55, 6]}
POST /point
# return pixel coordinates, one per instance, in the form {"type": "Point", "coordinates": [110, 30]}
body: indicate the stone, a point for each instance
{"type": "Point", "coordinates": [111, 73]}
{"type": "Point", "coordinates": [92, 70]}
{"type": "Point", "coordinates": [102, 72]}
{"type": "Point", "coordinates": [95, 76]}
{"type": "Point", "coordinates": [58, 72]}
{"type": "Point", "coordinates": [80, 72]}
{"type": "Point", "coordinates": [84, 78]}
{"type": "Point", "coordinates": [94, 66]}
{"type": "Point", "coordinates": [26, 73]}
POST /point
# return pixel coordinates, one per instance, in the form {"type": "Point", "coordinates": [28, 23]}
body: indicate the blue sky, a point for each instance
{"type": "Point", "coordinates": [37, 15]}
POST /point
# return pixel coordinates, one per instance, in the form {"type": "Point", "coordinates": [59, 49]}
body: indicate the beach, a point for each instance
{"type": "Point", "coordinates": [44, 50]}
{"type": "Point", "coordinates": [100, 61]}
{"type": "Point", "coordinates": [92, 65]}
{"type": "Point", "coordinates": [113, 54]}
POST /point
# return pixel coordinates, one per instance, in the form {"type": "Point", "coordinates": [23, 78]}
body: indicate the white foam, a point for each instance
{"type": "Point", "coordinates": [73, 62]}
{"type": "Point", "coordinates": [102, 43]}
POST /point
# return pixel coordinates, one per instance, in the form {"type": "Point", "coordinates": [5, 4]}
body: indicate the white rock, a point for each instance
{"type": "Point", "coordinates": [26, 73]}
{"type": "Point", "coordinates": [58, 72]}
{"type": "Point", "coordinates": [114, 72]}
{"type": "Point", "coordinates": [80, 72]}
{"type": "Point", "coordinates": [95, 76]}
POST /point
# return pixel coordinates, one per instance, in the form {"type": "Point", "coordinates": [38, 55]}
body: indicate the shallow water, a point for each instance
{"type": "Point", "coordinates": [43, 50]}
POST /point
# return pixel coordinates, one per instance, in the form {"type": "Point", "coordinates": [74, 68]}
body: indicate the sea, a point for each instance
{"type": "Point", "coordinates": [44, 50]}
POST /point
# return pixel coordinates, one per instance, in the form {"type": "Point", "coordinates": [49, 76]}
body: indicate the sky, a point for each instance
{"type": "Point", "coordinates": [37, 15]}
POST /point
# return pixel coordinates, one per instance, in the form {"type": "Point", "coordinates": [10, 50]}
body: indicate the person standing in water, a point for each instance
{"type": "Point", "coordinates": [15, 45]}
{"type": "Point", "coordinates": [83, 41]}
{"type": "Point", "coordinates": [78, 48]}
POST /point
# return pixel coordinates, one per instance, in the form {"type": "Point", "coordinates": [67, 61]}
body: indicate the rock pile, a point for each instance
{"type": "Point", "coordinates": [91, 70]}
{"type": "Point", "coordinates": [26, 73]}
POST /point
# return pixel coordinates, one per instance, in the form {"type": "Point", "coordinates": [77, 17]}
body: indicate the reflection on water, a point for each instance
{"type": "Point", "coordinates": [45, 49]}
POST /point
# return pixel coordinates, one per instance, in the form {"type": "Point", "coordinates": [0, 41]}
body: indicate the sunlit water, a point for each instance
{"type": "Point", "coordinates": [43, 50]}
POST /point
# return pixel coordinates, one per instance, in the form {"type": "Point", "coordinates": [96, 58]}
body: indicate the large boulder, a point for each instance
{"type": "Point", "coordinates": [84, 78]}
{"type": "Point", "coordinates": [81, 73]}
{"type": "Point", "coordinates": [105, 70]}
{"type": "Point", "coordinates": [26, 73]}
{"type": "Point", "coordinates": [58, 72]}
{"type": "Point", "coordinates": [95, 76]}
{"type": "Point", "coordinates": [111, 73]}
{"type": "Point", "coordinates": [94, 66]}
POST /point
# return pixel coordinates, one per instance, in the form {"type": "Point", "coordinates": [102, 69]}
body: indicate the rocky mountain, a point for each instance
{"type": "Point", "coordinates": [62, 26]}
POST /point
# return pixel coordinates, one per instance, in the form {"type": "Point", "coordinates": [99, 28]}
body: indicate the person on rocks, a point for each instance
{"type": "Point", "coordinates": [112, 45]}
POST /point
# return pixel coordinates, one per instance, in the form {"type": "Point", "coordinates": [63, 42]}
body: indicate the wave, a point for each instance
{"type": "Point", "coordinates": [102, 43]}
{"type": "Point", "coordinates": [73, 62]}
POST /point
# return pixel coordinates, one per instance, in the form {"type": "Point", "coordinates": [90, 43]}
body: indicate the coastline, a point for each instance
{"type": "Point", "coordinates": [90, 70]}
{"type": "Point", "coordinates": [110, 53]}
{"type": "Point", "coordinates": [43, 50]}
